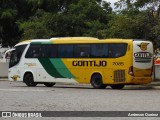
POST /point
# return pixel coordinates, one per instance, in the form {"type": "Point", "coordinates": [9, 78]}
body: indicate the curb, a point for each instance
{"type": "Point", "coordinates": [154, 84]}
{"type": "Point", "coordinates": [3, 78]}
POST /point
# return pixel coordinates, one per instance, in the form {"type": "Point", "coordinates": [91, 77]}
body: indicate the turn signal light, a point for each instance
{"type": "Point", "coordinates": [130, 72]}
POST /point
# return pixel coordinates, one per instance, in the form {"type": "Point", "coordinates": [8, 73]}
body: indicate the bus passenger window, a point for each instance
{"type": "Point", "coordinates": [34, 51]}
{"type": "Point", "coordinates": [65, 51]}
{"type": "Point", "coordinates": [82, 51]}
{"type": "Point", "coordinates": [99, 50]}
{"type": "Point", "coordinates": [84, 54]}
{"type": "Point", "coordinates": [49, 51]}
{"type": "Point", "coordinates": [117, 50]}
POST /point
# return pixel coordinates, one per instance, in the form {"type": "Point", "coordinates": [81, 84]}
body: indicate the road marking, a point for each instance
{"type": "Point", "coordinates": [24, 90]}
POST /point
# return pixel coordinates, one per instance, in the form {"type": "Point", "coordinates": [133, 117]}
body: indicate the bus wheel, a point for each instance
{"type": "Point", "coordinates": [29, 80]}
{"type": "Point", "coordinates": [97, 82]}
{"type": "Point", "coordinates": [117, 86]}
{"type": "Point", "coordinates": [49, 84]}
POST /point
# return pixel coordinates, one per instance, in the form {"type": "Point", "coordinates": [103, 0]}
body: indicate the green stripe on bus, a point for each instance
{"type": "Point", "coordinates": [36, 43]}
{"type": "Point", "coordinates": [55, 68]}
{"type": "Point", "coordinates": [61, 68]}
{"type": "Point", "coordinates": [50, 68]}
{"type": "Point", "coordinates": [47, 43]}
{"type": "Point", "coordinates": [42, 42]}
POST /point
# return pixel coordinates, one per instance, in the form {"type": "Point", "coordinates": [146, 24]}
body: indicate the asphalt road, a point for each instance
{"type": "Point", "coordinates": [16, 96]}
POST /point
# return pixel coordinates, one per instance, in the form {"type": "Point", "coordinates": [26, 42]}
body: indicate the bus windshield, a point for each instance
{"type": "Point", "coordinates": [16, 55]}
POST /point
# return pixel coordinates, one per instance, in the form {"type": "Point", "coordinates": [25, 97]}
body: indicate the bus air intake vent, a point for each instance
{"type": "Point", "coordinates": [119, 76]}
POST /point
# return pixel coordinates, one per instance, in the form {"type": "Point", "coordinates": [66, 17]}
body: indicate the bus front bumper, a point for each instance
{"type": "Point", "coordinates": [141, 80]}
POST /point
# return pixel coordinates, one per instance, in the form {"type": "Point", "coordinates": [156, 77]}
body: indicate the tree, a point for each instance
{"type": "Point", "coordinates": [28, 19]}
{"type": "Point", "coordinates": [36, 27]}
{"type": "Point", "coordinates": [9, 32]}
{"type": "Point", "coordinates": [81, 18]}
{"type": "Point", "coordinates": [137, 19]}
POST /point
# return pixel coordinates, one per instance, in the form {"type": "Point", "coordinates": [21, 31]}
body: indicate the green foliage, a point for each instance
{"type": "Point", "coordinates": [34, 30]}
{"type": "Point", "coordinates": [144, 18]}
{"type": "Point", "coordinates": [156, 33]}
{"type": "Point", "coordinates": [84, 18]}
{"type": "Point", "coordinates": [36, 27]}
{"type": "Point", "coordinates": [9, 32]}
{"type": "Point", "coordinates": [135, 26]}
{"type": "Point", "coordinates": [29, 19]}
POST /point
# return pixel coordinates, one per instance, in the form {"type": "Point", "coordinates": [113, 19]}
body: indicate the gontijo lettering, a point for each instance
{"type": "Point", "coordinates": [94, 63]}
{"type": "Point", "coordinates": [143, 54]}
{"type": "Point", "coordinates": [143, 57]}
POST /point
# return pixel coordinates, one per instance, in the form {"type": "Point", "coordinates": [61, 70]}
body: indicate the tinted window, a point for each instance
{"type": "Point", "coordinates": [19, 50]}
{"type": "Point", "coordinates": [114, 50]}
{"type": "Point", "coordinates": [34, 51]}
{"type": "Point", "coordinates": [13, 60]}
{"type": "Point", "coordinates": [65, 51]}
{"type": "Point", "coordinates": [82, 51]}
{"type": "Point", "coordinates": [49, 51]}
{"type": "Point", "coordinates": [99, 50]}
{"type": "Point", "coordinates": [16, 55]}
{"type": "Point", "coordinates": [117, 50]}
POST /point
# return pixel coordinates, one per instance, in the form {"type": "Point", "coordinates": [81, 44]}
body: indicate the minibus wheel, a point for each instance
{"type": "Point", "coordinates": [29, 80]}
{"type": "Point", "coordinates": [117, 86]}
{"type": "Point", "coordinates": [49, 84]}
{"type": "Point", "coordinates": [97, 82]}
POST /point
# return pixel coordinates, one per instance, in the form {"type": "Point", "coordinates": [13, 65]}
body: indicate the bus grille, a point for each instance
{"type": "Point", "coordinates": [119, 76]}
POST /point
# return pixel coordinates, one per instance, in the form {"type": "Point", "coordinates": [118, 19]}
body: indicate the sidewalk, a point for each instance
{"type": "Point", "coordinates": [154, 83]}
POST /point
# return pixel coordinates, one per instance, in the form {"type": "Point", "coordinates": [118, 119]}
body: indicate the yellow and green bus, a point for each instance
{"type": "Point", "coordinates": [113, 62]}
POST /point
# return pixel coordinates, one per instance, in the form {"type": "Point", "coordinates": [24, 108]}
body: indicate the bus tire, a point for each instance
{"type": "Point", "coordinates": [29, 80]}
{"type": "Point", "coordinates": [117, 86]}
{"type": "Point", "coordinates": [97, 82]}
{"type": "Point", "coordinates": [49, 84]}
